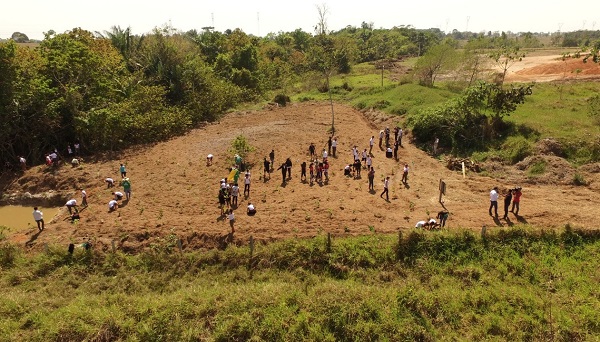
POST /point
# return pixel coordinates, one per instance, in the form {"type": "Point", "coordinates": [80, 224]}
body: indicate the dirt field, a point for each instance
{"type": "Point", "coordinates": [175, 193]}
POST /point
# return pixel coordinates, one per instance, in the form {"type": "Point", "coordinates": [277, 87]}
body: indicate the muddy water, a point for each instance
{"type": "Point", "coordinates": [19, 218]}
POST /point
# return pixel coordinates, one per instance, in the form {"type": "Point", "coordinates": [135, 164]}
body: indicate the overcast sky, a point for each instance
{"type": "Point", "coordinates": [259, 17]}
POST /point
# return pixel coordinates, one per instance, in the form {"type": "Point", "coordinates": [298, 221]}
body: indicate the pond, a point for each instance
{"type": "Point", "coordinates": [19, 218]}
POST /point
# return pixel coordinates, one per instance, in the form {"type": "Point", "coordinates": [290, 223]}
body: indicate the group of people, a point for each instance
{"type": "Point", "coordinates": [229, 191]}
{"type": "Point", "coordinates": [113, 203]}
{"type": "Point", "coordinates": [511, 196]}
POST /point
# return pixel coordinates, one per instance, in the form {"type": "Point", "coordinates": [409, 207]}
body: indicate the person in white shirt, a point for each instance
{"type": "Point", "coordinates": [118, 195]}
{"type": "Point", "coordinates": [334, 145]}
{"type": "Point", "coordinates": [72, 203]}
{"type": "Point", "coordinates": [251, 209]}
{"type": "Point", "coordinates": [231, 218]}
{"type": "Point", "coordinates": [371, 143]}
{"type": "Point", "coordinates": [235, 191]}
{"type": "Point", "coordinates": [109, 182]}
{"type": "Point", "coordinates": [113, 205]}
{"type": "Point", "coordinates": [324, 154]}
{"type": "Point", "coordinates": [405, 174]}
{"type": "Point", "coordinates": [494, 201]}
{"type": "Point", "coordinates": [400, 136]}
{"type": "Point", "coordinates": [386, 184]}
{"type": "Point", "coordinates": [247, 184]}
{"type": "Point", "coordinates": [209, 160]}
{"type": "Point", "coordinates": [38, 216]}
{"type": "Point", "coordinates": [84, 198]}
{"type": "Point", "coordinates": [365, 155]}
{"type": "Point", "coordinates": [422, 224]}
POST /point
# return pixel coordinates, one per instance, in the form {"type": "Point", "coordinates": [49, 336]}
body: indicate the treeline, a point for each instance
{"type": "Point", "coordinates": [113, 89]}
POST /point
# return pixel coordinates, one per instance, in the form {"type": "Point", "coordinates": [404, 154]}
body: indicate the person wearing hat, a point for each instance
{"type": "Point", "coordinates": [516, 200]}
{"type": "Point", "coordinates": [494, 201]}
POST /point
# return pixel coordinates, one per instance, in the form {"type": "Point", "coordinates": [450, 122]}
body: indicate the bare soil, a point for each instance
{"type": "Point", "coordinates": [175, 192]}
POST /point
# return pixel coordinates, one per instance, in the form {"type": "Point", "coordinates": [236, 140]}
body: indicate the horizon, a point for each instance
{"type": "Point", "coordinates": [261, 17]}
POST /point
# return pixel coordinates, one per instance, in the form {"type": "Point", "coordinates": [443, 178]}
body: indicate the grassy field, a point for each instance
{"type": "Point", "coordinates": [517, 284]}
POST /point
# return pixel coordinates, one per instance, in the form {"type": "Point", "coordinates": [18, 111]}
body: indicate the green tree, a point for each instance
{"type": "Point", "coordinates": [437, 60]}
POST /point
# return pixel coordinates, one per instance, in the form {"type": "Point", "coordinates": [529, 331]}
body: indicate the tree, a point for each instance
{"type": "Point", "coordinates": [505, 56]}
{"type": "Point", "coordinates": [436, 60]}
{"type": "Point", "coordinates": [19, 37]}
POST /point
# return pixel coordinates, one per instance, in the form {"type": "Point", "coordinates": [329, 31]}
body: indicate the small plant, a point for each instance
{"type": "Point", "coordinates": [578, 179]}
{"type": "Point", "coordinates": [240, 146]}
{"type": "Point", "coordinates": [537, 169]}
{"type": "Point", "coordinates": [160, 214]}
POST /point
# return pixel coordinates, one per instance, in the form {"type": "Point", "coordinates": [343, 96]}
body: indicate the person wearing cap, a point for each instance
{"type": "Point", "coordinates": [516, 201]}
{"type": "Point", "coordinates": [494, 201]}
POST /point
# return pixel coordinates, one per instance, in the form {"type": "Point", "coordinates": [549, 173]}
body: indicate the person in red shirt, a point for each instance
{"type": "Point", "coordinates": [516, 201]}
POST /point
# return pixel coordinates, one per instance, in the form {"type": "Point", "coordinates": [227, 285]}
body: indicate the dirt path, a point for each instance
{"type": "Point", "coordinates": [175, 193]}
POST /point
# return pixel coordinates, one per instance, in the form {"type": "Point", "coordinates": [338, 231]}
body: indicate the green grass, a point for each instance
{"type": "Point", "coordinates": [519, 284]}
{"type": "Point", "coordinates": [565, 118]}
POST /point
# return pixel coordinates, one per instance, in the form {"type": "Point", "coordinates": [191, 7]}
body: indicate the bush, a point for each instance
{"type": "Point", "coordinates": [538, 168]}
{"type": "Point", "coordinates": [282, 99]}
{"type": "Point", "coordinates": [515, 149]}
{"type": "Point", "coordinates": [578, 179]}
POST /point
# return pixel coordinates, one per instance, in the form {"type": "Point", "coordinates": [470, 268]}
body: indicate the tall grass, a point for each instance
{"type": "Point", "coordinates": [518, 283]}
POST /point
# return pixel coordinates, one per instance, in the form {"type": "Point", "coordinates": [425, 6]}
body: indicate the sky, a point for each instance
{"type": "Point", "coordinates": [260, 17]}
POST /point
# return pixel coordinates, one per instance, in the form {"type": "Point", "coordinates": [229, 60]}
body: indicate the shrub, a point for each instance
{"type": "Point", "coordinates": [515, 149]}
{"type": "Point", "coordinates": [281, 99]}
{"type": "Point", "coordinates": [538, 168]}
{"type": "Point", "coordinates": [578, 179]}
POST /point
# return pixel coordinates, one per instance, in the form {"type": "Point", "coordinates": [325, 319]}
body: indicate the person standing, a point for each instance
{"type": "Point", "coordinates": [84, 198]}
{"type": "Point", "coordinates": [38, 216]}
{"type": "Point", "coordinates": [283, 169]}
{"type": "Point", "coordinates": [371, 179]}
{"type": "Point", "coordinates": [400, 136]}
{"type": "Point", "coordinates": [235, 191]}
{"type": "Point", "coordinates": [267, 169]}
{"type": "Point", "coordinates": [396, 150]}
{"type": "Point", "coordinates": [507, 200]}
{"type": "Point", "coordinates": [69, 151]}
{"type": "Point", "coordinates": [369, 162]}
{"type": "Point", "coordinates": [272, 158]}
{"type": "Point", "coordinates": [443, 216]}
{"type": "Point", "coordinates": [334, 146]}
{"type": "Point", "coordinates": [126, 183]}
{"type": "Point", "coordinates": [516, 201]}
{"type": "Point", "coordinates": [311, 151]}
{"type": "Point", "coordinates": [231, 218]}
{"type": "Point", "coordinates": [123, 171]}
{"type": "Point", "coordinates": [405, 174]}
{"type": "Point", "coordinates": [494, 201]}
{"type": "Point", "coordinates": [371, 143]}
{"type": "Point", "coordinates": [76, 146]}
{"type": "Point", "coordinates": [288, 166]}
{"type": "Point", "coordinates": [303, 171]}
{"type": "Point", "coordinates": [435, 145]}
{"type": "Point", "coordinates": [380, 138]}
{"type": "Point", "coordinates": [386, 184]}
{"type": "Point", "coordinates": [364, 156]}
{"type": "Point", "coordinates": [329, 143]}
{"type": "Point", "coordinates": [247, 184]}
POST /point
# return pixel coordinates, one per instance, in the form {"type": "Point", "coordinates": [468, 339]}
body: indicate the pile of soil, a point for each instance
{"type": "Point", "coordinates": [175, 192]}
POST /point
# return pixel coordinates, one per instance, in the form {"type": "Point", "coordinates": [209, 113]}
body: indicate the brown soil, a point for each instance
{"type": "Point", "coordinates": [552, 68]}
{"type": "Point", "coordinates": [174, 192]}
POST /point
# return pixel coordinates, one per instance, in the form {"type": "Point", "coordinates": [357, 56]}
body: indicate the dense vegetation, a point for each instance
{"type": "Point", "coordinates": [113, 89]}
{"type": "Point", "coordinates": [517, 284]}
